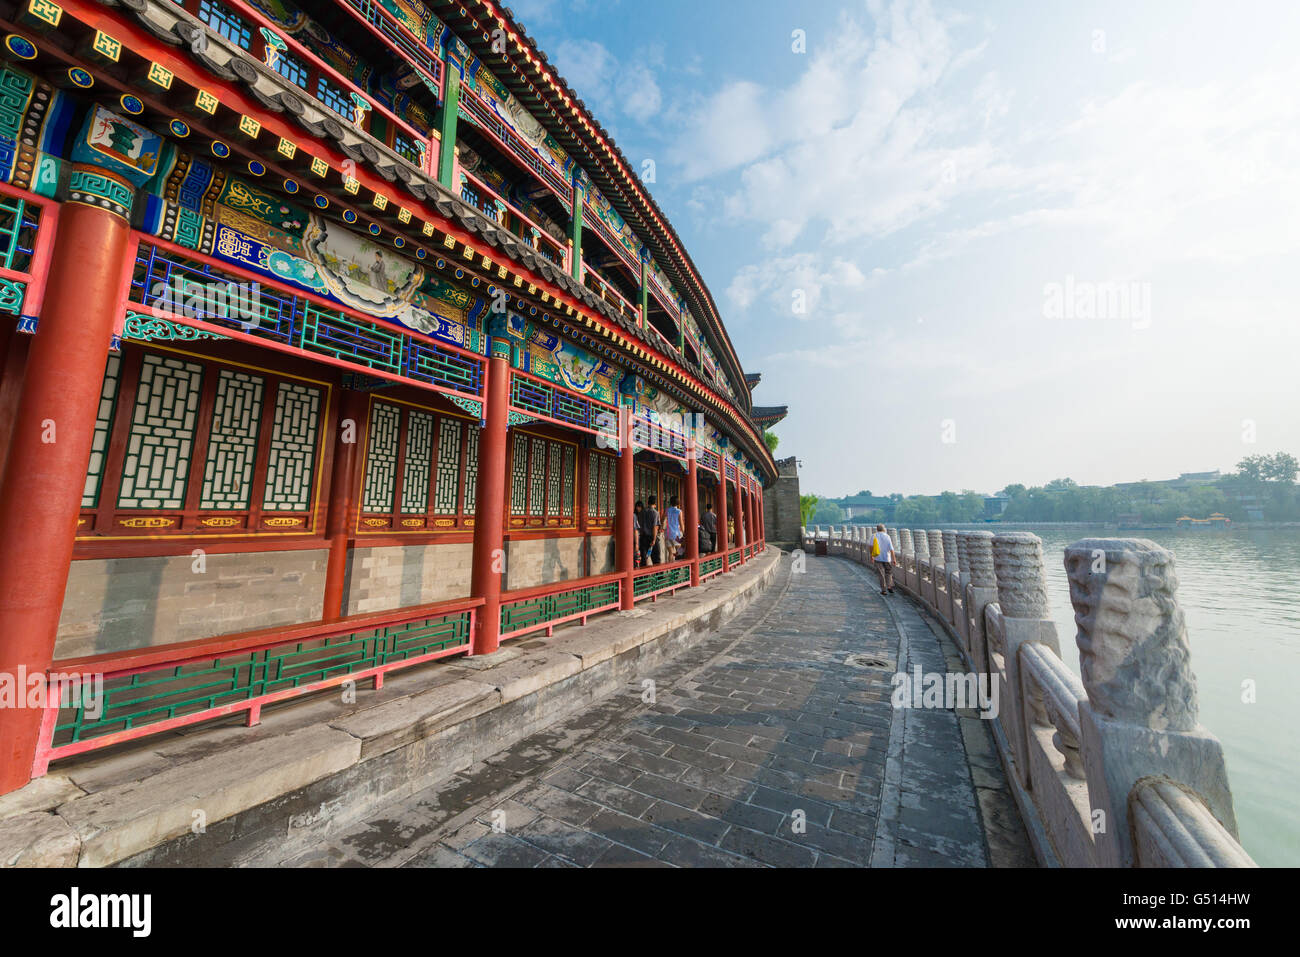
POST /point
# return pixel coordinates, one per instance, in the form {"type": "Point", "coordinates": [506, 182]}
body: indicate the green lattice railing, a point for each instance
{"type": "Point", "coordinates": [537, 611]}
{"type": "Point", "coordinates": [657, 580]}
{"type": "Point", "coordinates": [711, 566]}
{"type": "Point", "coordinates": [733, 558]}
{"type": "Point", "coordinates": [133, 702]}
{"type": "Point", "coordinates": [19, 227]}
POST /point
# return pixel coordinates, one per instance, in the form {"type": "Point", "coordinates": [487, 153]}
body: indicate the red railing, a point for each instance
{"type": "Point", "coordinates": [252, 14]}
{"type": "Point", "coordinates": [602, 286]}
{"type": "Point", "coordinates": [41, 216]}
{"type": "Point", "coordinates": [101, 670]}
{"type": "Point", "coordinates": [513, 145]}
{"type": "Point", "coordinates": [553, 250]}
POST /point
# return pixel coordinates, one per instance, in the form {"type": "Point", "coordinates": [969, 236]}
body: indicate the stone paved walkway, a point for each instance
{"type": "Point", "coordinates": [772, 742]}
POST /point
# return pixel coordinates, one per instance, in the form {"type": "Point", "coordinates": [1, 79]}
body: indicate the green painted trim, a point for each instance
{"type": "Point", "coordinates": [575, 234]}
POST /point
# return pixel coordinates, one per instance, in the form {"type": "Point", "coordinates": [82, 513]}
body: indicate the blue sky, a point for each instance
{"type": "Point", "coordinates": [891, 220]}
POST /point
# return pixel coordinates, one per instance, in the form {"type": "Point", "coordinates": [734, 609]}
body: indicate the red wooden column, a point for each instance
{"type": "Point", "coordinates": [490, 502]}
{"type": "Point", "coordinates": [753, 514]}
{"type": "Point", "coordinates": [344, 489]}
{"type": "Point", "coordinates": [691, 519]}
{"type": "Point", "coordinates": [722, 511]}
{"type": "Point", "coordinates": [739, 509]}
{"type": "Point", "coordinates": [624, 503]}
{"type": "Point", "coordinates": [762, 518]}
{"type": "Point", "coordinates": [45, 472]}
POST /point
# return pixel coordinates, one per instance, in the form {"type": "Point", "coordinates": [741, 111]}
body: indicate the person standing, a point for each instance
{"type": "Point", "coordinates": [673, 528]}
{"type": "Point", "coordinates": [637, 509]}
{"type": "Point", "coordinates": [882, 554]}
{"type": "Point", "coordinates": [651, 527]}
{"type": "Point", "coordinates": [709, 522]}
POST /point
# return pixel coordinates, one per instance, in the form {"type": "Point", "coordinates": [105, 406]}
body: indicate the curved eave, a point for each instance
{"type": "Point", "coordinates": [767, 416]}
{"type": "Point", "coordinates": [549, 97]}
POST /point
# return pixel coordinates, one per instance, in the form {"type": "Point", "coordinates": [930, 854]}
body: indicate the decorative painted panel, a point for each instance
{"type": "Point", "coordinates": [471, 469]}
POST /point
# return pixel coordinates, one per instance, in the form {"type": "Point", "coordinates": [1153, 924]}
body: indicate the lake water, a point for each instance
{"type": "Point", "coordinates": [1238, 590]}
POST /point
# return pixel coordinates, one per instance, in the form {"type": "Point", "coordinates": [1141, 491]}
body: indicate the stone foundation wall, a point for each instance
{"type": "Point", "coordinates": [380, 579]}
{"type": "Point", "coordinates": [541, 561]}
{"type": "Point", "coordinates": [601, 557]}
{"type": "Point", "coordinates": [117, 604]}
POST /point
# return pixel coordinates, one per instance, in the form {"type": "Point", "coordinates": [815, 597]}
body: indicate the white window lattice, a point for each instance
{"type": "Point", "coordinates": [471, 469]}
{"type": "Point", "coordinates": [103, 427]}
{"type": "Point", "coordinates": [416, 467]}
{"type": "Point", "coordinates": [232, 443]}
{"type": "Point", "coordinates": [381, 458]}
{"type": "Point", "coordinates": [290, 464]}
{"type": "Point", "coordinates": [161, 439]}
{"type": "Point", "coordinates": [445, 496]}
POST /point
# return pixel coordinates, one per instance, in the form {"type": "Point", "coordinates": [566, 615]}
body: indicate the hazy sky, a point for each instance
{"type": "Point", "coordinates": [945, 189]}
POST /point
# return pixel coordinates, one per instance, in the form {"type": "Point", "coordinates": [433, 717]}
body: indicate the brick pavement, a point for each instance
{"type": "Point", "coordinates": [767, 744]}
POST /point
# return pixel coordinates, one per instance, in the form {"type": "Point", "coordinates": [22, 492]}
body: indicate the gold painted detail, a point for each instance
{"type": "Point", "coordinates": [153, 521]}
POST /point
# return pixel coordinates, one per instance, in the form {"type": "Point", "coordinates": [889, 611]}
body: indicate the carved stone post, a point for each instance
{"type": "Point", "coordinates": [961, 621]}
{"type": "Point", "coordinates": [950, 583]}
{"type": "Point", "coordinates": [907, 560]}
{"type": "Point", "coordinates": [1140, 719]}
{"type": "Point", "coordinates": [922, 546]}
{"type": "Point", "coordinates": [937, 593]}
{"type": "Point", "coordinates": [1022, 596]}
{"type": "Point", "coordinates": [980, 593]}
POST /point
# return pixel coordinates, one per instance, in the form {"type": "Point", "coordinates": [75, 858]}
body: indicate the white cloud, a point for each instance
{"type": "Point", "coordinates": [609, 86]}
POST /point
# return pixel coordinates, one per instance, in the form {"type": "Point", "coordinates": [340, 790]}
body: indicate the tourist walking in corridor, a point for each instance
{"type": "Point", "coordinates": [882, 554]}
{"type": "Point", "coordinates": [673, 529]}
{"type": "Point", "coordinates": [709, 522]}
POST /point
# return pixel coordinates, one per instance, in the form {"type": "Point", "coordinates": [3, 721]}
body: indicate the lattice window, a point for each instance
{"type": "Point", "coordinates": [381, 457]}
{"type": "Point", "coordinates": [177, 435]}
{"type": "Point", "coordinates": [471, 468]}
{"type": "Point", "coordinates": [292, 70]}
{"type": "Point", "coordinates": [103, 428]}
{"type": "Point", "coordinates": [567, 479]}
{"type": "Point", "coordinates": [404, 146]}
{"type": "Point", "coordinates": [519, 475]}
{"type": "Point", "coordinates": [543, 479]}
{"type": "Point", "coordinates": [608, 480]}
{"type": "Point", "coordinates": [291, 459]}
{"type": "Point", "coordinates": [157, 461]}
{"type": "Point", "coordinates": [417, 463]}
{"type": "Point", "coordinates": [446, 497]}
{"type": "Point", "coordinates": [232, 442]}
{"type": "Point", "coordinates": [537, 478]}
{"type": "Point", "coordinates": [333, 97]}
{"type": "Point", "coordinates": [225, 21]}
{"type": "Point", "coordinates": [593, 484]}
{"type": "Point", "coordinates": [553, 482]}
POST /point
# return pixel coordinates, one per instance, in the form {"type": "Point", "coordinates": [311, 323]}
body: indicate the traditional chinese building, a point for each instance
{"type": "Point", "coordinates": [334, 337]}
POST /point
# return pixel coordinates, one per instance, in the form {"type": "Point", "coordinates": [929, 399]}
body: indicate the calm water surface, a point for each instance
{"type": "Point", "coordinates": [1240, 592]}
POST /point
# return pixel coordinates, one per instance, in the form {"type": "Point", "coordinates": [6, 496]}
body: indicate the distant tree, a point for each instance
{"type": "Point", "coordinates": [828, 513]}
{"type": "Point", "coordinates": [807, 506]}
{"type": "Point", "coordinates": [1013, 491]}
{"type": "Point", "coordinates": [771, 439]}
{"type": "Point", "coordinates": [1283, 468]}
{"type": "Point", "coordinates": [916, 510]}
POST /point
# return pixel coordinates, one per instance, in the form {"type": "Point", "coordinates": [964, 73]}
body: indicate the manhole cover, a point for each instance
{"type": "Point", "coordinates": [865, 661]}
